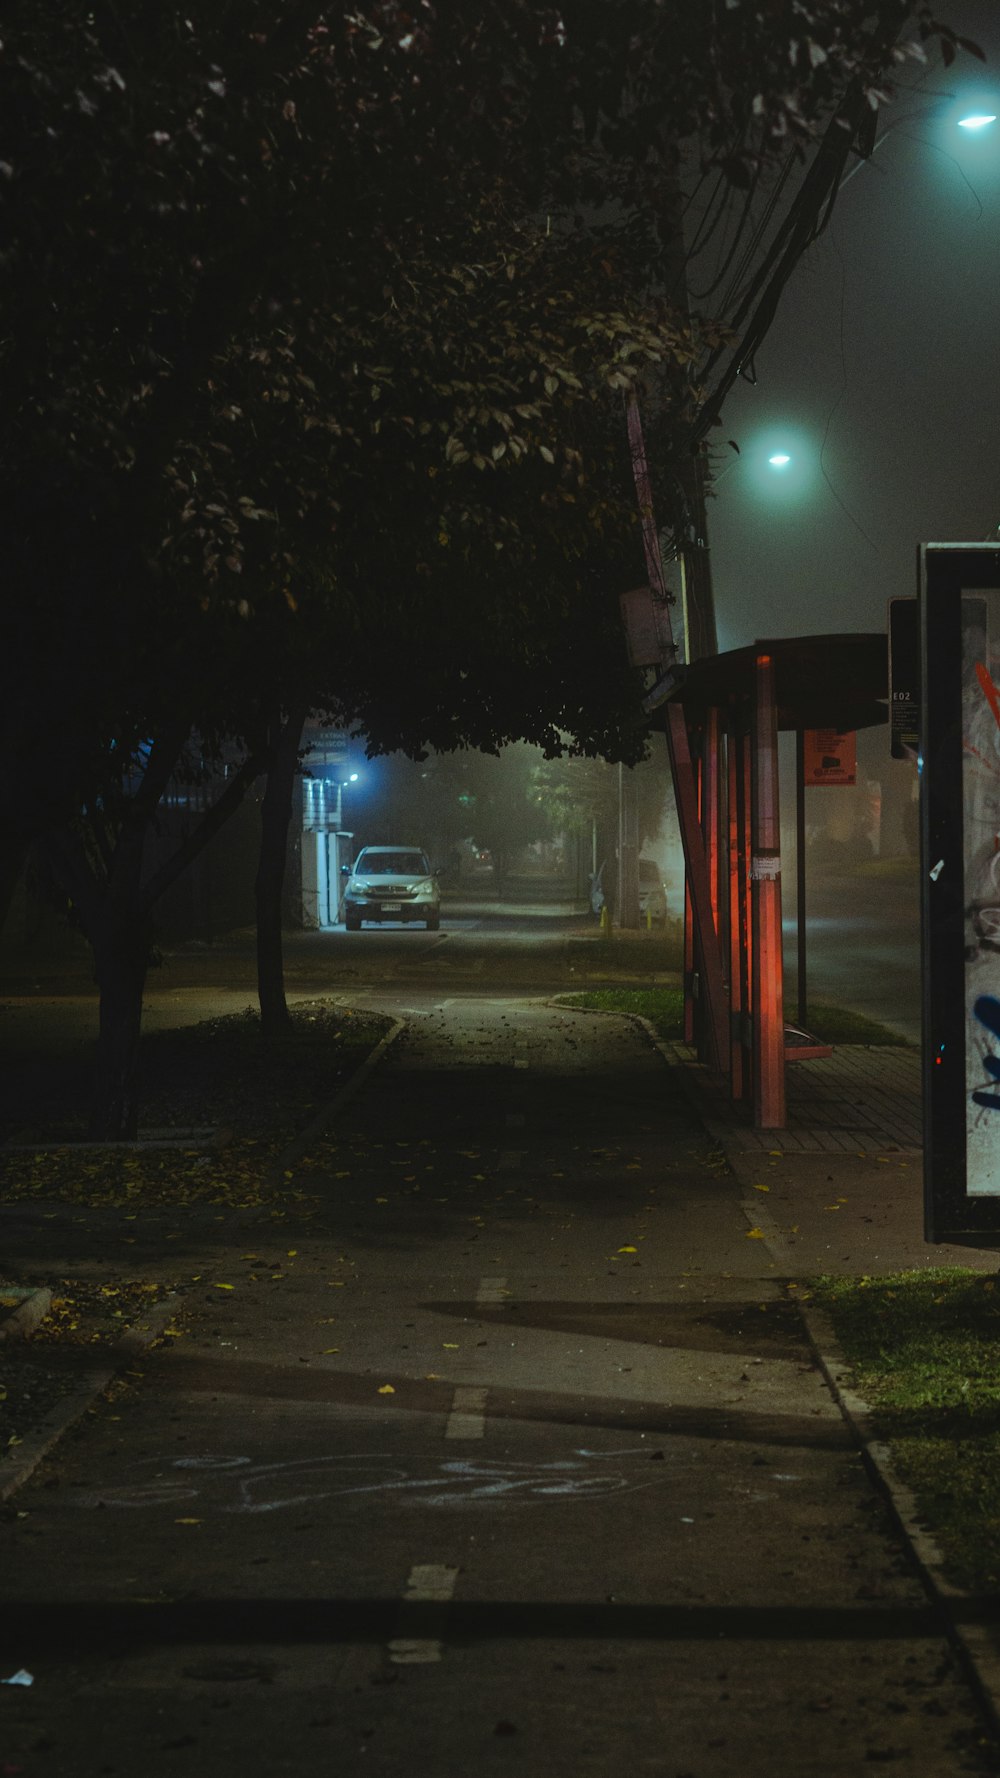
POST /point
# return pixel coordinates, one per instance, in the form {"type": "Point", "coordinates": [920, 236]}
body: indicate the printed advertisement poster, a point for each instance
{"type": "Point", "coordinates": [981, 824]}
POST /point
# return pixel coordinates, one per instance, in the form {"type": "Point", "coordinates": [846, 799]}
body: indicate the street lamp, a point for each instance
{"type": "Point", "coordinates": [352, 778]}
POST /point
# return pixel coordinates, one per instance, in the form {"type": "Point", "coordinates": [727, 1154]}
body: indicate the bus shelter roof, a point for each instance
{"type": "Point", "coordinates": [838, 681]}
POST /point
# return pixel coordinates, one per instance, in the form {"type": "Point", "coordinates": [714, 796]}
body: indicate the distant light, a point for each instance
{"type": "Point", "coordinates": [780, 460]}
{"type": "Point", "coordinates": [978, 120]}
{"type": "Point", "coordinates": [353, 778]}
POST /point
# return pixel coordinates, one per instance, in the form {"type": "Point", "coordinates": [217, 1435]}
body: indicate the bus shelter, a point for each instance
{"type": "Point", "coordinates": [734, 706]}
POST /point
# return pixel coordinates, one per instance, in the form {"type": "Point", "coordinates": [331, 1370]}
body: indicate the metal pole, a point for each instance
{"type": "Point", "coordinates": [800, 870]}
{"type": "Point", "coordinates": [627, 910]}
{"type": "Point", "coordinates": [765, 896]}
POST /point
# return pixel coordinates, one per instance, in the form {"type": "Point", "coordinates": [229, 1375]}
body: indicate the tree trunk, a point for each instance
{"type": "Point", "coordinates": [275, 817]}
{"type": "Point", "coordinates": [120, 958]}
{"type": "Point", "coordinates": [120, 938]}
{"type": "Point", "coordinates": [12, 860]}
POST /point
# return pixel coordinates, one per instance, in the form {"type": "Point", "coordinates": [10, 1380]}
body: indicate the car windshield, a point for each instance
{"type": "Point", "coordinates": [392, 864]}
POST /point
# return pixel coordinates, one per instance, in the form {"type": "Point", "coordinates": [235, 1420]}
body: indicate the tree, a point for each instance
{"type": "Point", "coordinates": [317, 331]}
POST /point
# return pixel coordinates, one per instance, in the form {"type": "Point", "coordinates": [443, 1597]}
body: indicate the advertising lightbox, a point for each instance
{"type": "Point", "coordinates": [960, 868]}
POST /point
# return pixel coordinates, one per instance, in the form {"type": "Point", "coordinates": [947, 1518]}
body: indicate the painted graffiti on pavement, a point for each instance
{"type": "Point", "coordinates": [232, 1484]}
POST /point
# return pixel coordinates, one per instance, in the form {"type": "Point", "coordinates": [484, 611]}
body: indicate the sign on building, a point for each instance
{"type": "Point", "coordinates": [960, 870]}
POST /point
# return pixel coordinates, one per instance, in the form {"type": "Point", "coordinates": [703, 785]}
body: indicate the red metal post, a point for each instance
{"type": "Point", "coordinates": [710, 804]}
{"type": "Point", "coordinates": [765, 897]}
{"type": "Point", "coordinates": [738, 1074]}
{"type": "Point", "coordinates": [688, 965]}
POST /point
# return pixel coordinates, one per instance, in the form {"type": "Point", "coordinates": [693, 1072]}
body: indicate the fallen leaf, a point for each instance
{"type": "Point", "coordinates": [755, 1234]}
{"type": "Point", "coordinates": [187, 1521]}
{"type": "Point", "coordinates": [386, 1389]}
{"type": "Point", "coordinates": [450, 1345]}
{"type": "Point", "coordinates": [762, 1188]}
{"type": "Point", "coordinates": [626, 1250]}
{"type": "Point", "coordinates": [224, 1287]}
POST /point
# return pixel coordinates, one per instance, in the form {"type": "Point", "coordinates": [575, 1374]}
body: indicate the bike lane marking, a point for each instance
{"type": "Point", "coordinates": [492, 1293]}
{"type": "Point", "coordinates": [428, 1583]}
{"type": "Point", "coordinates": [468, 1414]}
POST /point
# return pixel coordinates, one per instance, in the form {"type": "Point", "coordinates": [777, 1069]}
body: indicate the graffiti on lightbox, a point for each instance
{"type": "Point", "coordinates": [981, 865]}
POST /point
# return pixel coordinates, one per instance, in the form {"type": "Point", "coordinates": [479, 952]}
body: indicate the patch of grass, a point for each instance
{"type": "Point", "coordinates": [923, 1348]}
{"type": "Point", "coordinates": [663, 1007]}
{"type": "Point", "coordinates": [837, 1024]}
{"type": "Point", "coordinates": [219, 1074]}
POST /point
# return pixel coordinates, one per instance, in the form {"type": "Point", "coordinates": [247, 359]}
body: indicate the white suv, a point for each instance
{"type": "Point", "coordinates": [391, 883]}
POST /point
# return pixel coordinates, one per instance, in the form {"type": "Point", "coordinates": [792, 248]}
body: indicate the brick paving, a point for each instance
{"type": "Point", "coordinates": [858, 1100]}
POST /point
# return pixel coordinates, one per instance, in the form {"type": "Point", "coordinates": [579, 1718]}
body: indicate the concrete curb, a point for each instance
{"type": "Point", "coordinates": [973, 1642]}
{"type": "Point", "coordinates": [32, 1309]}
{"type": "Point", "coordinates": [301, 1144]}
{"type": "Point", "coordinates": [42, 1439]}
{"type": "Point", "coordinates": [608, 1012]}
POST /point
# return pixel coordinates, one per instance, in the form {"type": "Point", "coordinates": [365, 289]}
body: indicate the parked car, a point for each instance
{"type": "Point", "coordinates": [652, 894]}
{"type": "Point", "coordinates": [391, 883]}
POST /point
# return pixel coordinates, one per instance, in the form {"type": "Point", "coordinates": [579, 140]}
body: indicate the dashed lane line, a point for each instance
{"type": "Point", "coordinates": [428, 1583]}
{"type": "Point", "coordinates": [492, 1293]}
{"type": "Point", "coordinates": [468, 1414]}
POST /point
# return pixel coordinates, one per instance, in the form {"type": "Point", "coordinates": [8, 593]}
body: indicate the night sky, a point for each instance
{"type": "Point", "coordinates": [880, 376]}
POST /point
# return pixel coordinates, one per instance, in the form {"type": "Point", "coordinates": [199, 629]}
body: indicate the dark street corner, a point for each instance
{"type": "Point", "coordinates": [467, 1418]}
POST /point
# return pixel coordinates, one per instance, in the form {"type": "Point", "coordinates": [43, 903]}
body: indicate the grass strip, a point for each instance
{"type": "Point", "coordinates": [219, 1074]}
{"type": "Point", "coordinates": [664, 1008]}
{"type": "Point", "coordinates": [923, 1351]}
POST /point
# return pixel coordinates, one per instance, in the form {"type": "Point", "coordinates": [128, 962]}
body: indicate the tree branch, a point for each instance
{"type": "Point", "coordinates": [207, 828]}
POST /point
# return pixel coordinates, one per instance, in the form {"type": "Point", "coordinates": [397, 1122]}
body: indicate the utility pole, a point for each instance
{"type": "Point", "coordinates": [713, 987]}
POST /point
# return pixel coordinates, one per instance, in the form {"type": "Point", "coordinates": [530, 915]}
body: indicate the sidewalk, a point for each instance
{"type": "Point", "coordinates": [514, 1458]}
{"type": "Point", "coordinates": [840, 1189]}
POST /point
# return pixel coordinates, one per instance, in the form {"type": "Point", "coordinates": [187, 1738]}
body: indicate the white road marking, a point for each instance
{"type": "Point", "coordinates": [468, 1414]}
{"type": "Point", "coordinates": [428, 1583]}
{"type": "Point", "coordinates": [492, 1293]}
{"type": "Point", "coordinates": [511, 1159]}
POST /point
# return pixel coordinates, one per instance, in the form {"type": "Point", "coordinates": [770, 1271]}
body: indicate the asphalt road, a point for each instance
{"type": "Point", "coordinates": [511, 1459]}
{"type": "Point", "coordinates": [863, 952]}
{"type": "Point", "coordinates": [863, 948]}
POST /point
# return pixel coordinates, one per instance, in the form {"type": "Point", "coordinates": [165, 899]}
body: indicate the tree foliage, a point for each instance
{"type": "Point", "coordinates": [316, 330]}
{"type": "Point", "coordinates": [320, 317]}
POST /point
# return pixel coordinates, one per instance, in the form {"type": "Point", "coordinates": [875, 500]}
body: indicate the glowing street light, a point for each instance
{"type": "Point", "coordinates": [979, 120]}
{"type": "Point", "coordinates": [780, 460]}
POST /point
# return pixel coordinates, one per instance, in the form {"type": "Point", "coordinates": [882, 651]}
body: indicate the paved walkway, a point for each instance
{"type": "Point", "coordinates": [840, 1190]}
{"type": "Point", "coordinates": [859, 1100]}
{"type": "Point", "coordinates": [513, 1459]}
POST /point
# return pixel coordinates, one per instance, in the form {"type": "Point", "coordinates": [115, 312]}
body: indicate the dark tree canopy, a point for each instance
{"type": "Point", "coordinates": [292, 295]}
